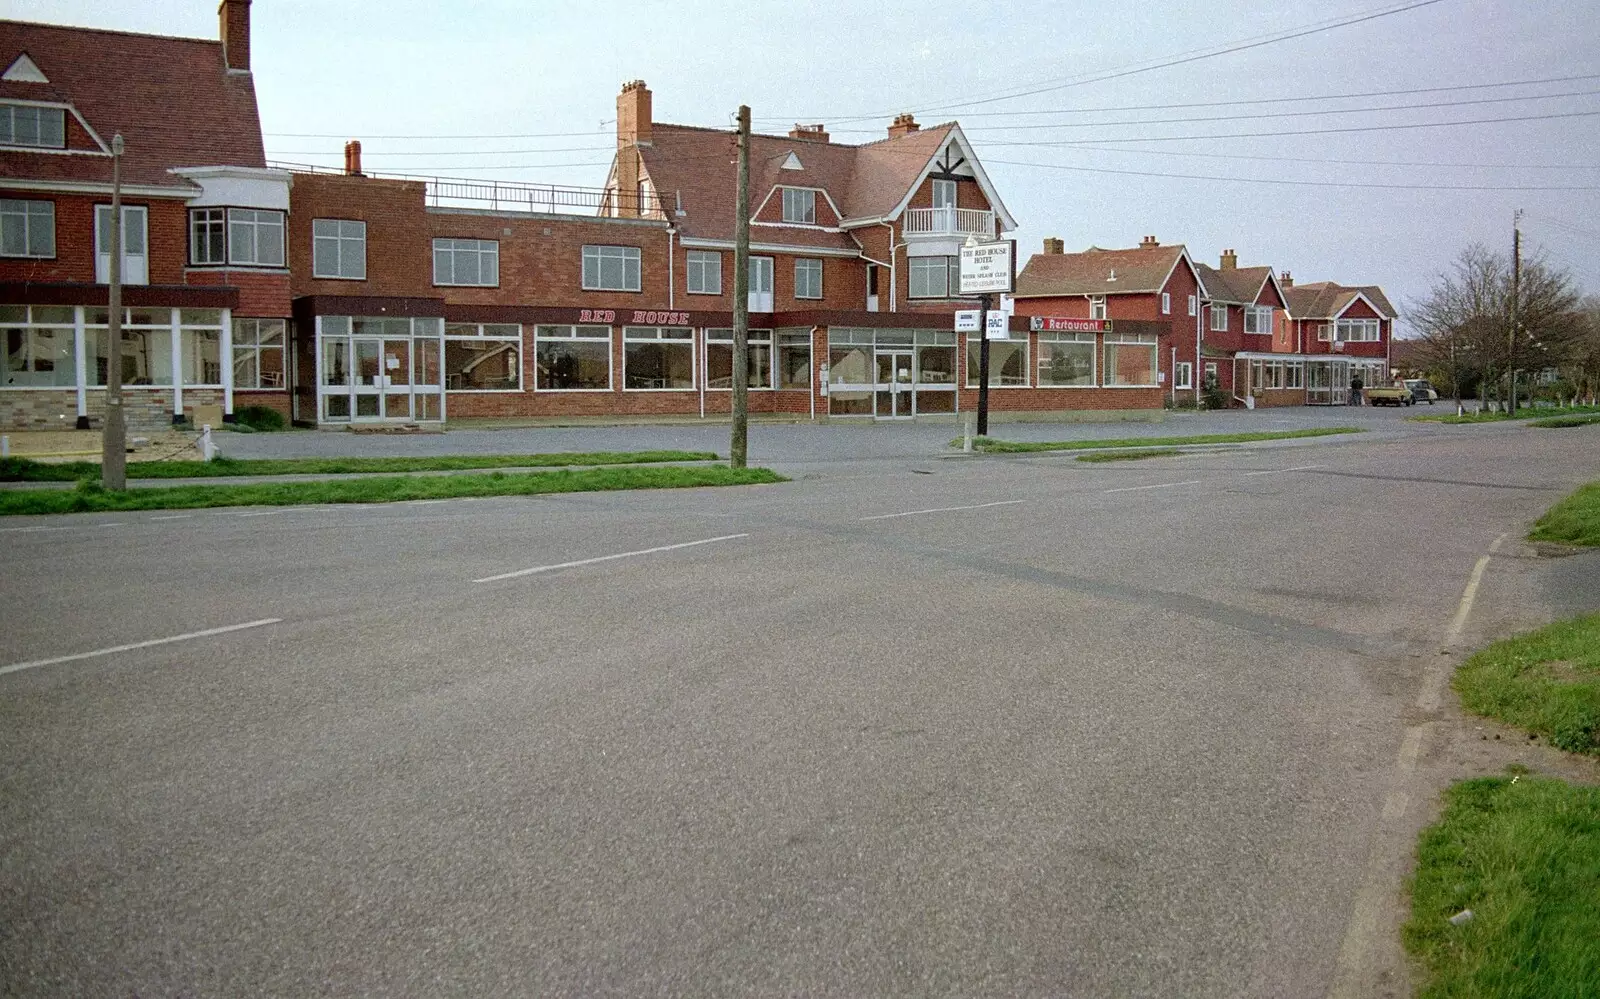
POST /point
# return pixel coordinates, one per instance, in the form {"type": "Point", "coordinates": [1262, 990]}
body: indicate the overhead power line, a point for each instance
{"type": "Point", "coordinates": [1343, 162]}
{"type": "Point", "coordinates": [1296, 183]}
{"type": "Point", "coordinates": [1304, 131]}
{"type": "Point", "coordinates": [1183, 58]}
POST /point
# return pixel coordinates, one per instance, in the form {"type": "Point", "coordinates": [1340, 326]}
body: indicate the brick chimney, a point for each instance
{"type": "Point", "coordinates": [1286, 279]}
{"type": "Point", "coordinates": [235, 33]}
{"type": "Point", "coordinates": [904, 124]}
{"type": "Point", "coordinates": [633, 114]}
{"type": "Point", "coordinates": [1230, 260]}
{"type": "Point", "coordinates": [352, 158]}
{"type": "Point", "coordinates": [1053, 246]}
{"type": "Point", "coordinates": [1148, 243]}
{"type": "Point", "coordinates": [809, 133]}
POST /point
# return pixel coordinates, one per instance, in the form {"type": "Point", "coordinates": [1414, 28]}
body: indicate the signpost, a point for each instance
{"type": "Point", "coordinates": [987, 269]}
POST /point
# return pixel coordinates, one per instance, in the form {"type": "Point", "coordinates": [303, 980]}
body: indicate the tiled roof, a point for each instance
{"type": "Point", "coordinates": [1238, 286]}
{"type": "Point", "coordinates": [698, 165]}
{"type": "Point", "coordinates": [1141, 270]}
{"type": "Point", "coordinates": [1325, 299]}
{"type": "Point", "coordinates": [172, 99]}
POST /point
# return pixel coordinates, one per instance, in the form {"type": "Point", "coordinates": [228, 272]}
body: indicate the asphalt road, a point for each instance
{"type": "Point", "coordinates": [1124, 730]}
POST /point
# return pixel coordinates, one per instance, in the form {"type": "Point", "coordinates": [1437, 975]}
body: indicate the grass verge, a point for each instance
{"type": "Point", "coordinates": [1138, 455]}
{"type": "Point", "coordinates": [1568, 421]}
{"type": "Point", "coordinates": [89, 497]}
{"type": "Point", "coordinates": [1016, 447]}
{"type": "Point", "coordinates": [1546, 681]}
{"type": "Point", "coordinates": [1573, 521]}
{"type": "Point", "coordinates": [1521, 414]}
{"type": "Point", "coordinates": [1523, 853]}
{"type": "Point", "coordinates": [24, 470]}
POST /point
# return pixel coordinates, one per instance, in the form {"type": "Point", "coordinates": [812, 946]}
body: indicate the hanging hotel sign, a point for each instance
{"type": "Point", "coordinates": [637, 317]}
{"type": "Point", "coordinates": [1059, 324]}
{"type": "Point", "coordinates": [989, 268]}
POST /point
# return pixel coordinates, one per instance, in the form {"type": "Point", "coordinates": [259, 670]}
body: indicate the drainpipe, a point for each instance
{"type": "Point", "coordinates": [893, 283]}
{"type": "Point", "coordinates": [1173, 388]}
{"type": "Point", "coordinates": [672, 282]}
{"type": "Point", "coordinates": [1198, 368]}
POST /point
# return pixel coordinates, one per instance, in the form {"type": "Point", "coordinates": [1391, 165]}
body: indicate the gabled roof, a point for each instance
{"type": "Point", "coordinates": [865, 182]}
{"type": "Point", "coordinates": [172, 99]}
{"type": "Point", "coordinates": [1327, 300]}
{"type": "Point", "coordinates": [1238, 286]}
{"type": "Point", "coordinates": [1143, 270]}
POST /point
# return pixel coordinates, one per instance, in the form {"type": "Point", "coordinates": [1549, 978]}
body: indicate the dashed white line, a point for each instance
{"type": "Point", "coordinates": [1280, 471]}
{"type": "Point", "coordinates": [175, 516]}
{"type": "Point", "coordinates": [262, 513]}
{"type": "Point", "coordinates": [114, 523]}
{"type": "Point", "coordinates": [1159, 485]}
{"type": "Point", "coordinates": [943, 509]}
{"type": "Point", "coordinates": [14, 667]}
{"type": "Point", "coordinates": [30, 530]}
{"type": "Point", "coordinates": [607, 558]}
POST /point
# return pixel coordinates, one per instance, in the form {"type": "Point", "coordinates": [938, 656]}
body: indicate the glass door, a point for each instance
{"type": "Point", "coordinates": [397, 379]}
{"type": "Point", "coordinates": [368, 381]}
{"type": "Point", "coordinates": [893, 385]}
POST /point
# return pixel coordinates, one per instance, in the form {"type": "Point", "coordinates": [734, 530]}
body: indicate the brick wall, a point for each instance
{"type": "Point", "coordinates": [74, 259]}
{"type": "Point", "coordinates": [399, 254]}
{"type": "Point", "coordinates": [262, 293]}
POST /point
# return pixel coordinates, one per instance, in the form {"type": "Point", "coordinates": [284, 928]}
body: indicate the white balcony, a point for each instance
{"type": "Point", "coordinates": [960, 222]}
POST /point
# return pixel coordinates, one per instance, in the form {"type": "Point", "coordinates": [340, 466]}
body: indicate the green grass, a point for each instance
{"type": "Point", "coordinates": [24, 470]}
{"type": "Point", "coordinates": [1523, 854]}
{"type": "Point", "coordinates": [1016, 447]}
{"type": "Point", "coordinates": [1573, 521]}
{"type": "Point", "coordinates": [1525, 413]}
{"type": "Point", "coordinates": [1567, 421]}
{"type": "Point", "coordinates": [1139, 455]}
{"type": "Point", "coordinates": [90, 497]}
{"type": "Point", "coordinates": [1546, 681]}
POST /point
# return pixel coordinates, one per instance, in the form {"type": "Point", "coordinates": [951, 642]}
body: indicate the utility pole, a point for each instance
{"type": "Point", "coordinates": [739, 445]}
{"type": "Point", "coordinates": [1516, 309]}
{"type": "Point", "coordinates": [114, 433]}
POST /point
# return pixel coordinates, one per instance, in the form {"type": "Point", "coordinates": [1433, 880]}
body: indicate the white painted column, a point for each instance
{"type": "Point", "coordinates": [81, 366]}
{"type": "Point", "coordinates": [227, 364]}
{"type": "Point", "coordinates": [177, 364]}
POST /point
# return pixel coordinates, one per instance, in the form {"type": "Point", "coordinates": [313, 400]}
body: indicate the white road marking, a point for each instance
{"type": "Point", "coordinates": [1280, 471]}
{"type": "Point", "coordinates": [1161, 485]}
{"type": "Point", "coordinates": [176, 516]}
{"type": "Point", "coordinates": [14, 667]}
{"type": "Point", "coordinates": [114, 523]}
{"type": "Point", "coordinates": [943, 509]}
{"type": "Point", "coordinates": [426, 502]}
{"type": "Point", "coordinates": [30, 530]}
{"type": "Point", "coordinates": [1366, 932]}
{"type": "Point", "coordinates": [606, 558]}
{"type": "Point", "coordinates": [262, 513]}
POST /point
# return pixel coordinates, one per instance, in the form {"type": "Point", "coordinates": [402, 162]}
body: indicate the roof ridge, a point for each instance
{"type": "Point", "coordinates": [891, 138]}
{"type": "Point", "coordinates": [111, 31]}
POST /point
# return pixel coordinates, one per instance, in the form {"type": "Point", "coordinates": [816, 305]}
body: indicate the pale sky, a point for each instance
{"type": "Point", "coordinates": [365, 69]}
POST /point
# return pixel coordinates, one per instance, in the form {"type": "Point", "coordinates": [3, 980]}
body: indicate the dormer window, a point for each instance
{"type": "Point", "coordinates": [800, 205]}
{"type": "Point", "coordinates": [33, 125]}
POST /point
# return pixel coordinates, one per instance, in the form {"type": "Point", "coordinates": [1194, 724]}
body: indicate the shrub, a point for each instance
{"type": "Point", "coordinates": [259, 418]}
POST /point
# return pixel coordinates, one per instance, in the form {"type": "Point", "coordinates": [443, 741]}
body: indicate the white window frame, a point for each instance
{"type": "Point", "coordinates": [30, 215]}
{"type": "Point", "coordinates": [598, 256]}
{"type": "Point", "coordinates": [1294, 375]}
{"type": "Point", "coordinates": [950, 267]}
{"type": "Point", "coordinates": [1254, 315]}
{"type": "Point", "coordinates": [661, 334]}
{"type": "Point", "coordinates": [973, 347]}
{"type": "Point", "coordinates": [130, 258]}
{"type": "Point", "coordinates": [205, 226]}
{"type": "Point", "coordinates": [791, 341]}
{"type": "Point", "coordinates": [1324, 332]}
{"type": "Point", "coordinates": [704, 264]}
{"type": "Point", "coordinates": [1142, 340]}
{"type": "Point", "coordinates": [1345, 328]}
{"type": "Point", "coordinates": [1194, 304]}
{"type": "Point", "coordinates": [1166, 304]}
{"type": "Point", "coordinates": [1210, 374]}
{"type": "Point", "coordinates": [952, 187]}
{"type": "Point", "coordinates": [758, 339]}
{"type": "Point", "coordinates": [1087, 339]}
{"type": "Point", "coordinates": [33, 328]}
{"type": "Point", "coordinates": [811, 264]}
{"type": "Point", "coordinates": [255, 222]}
{"type": "Point", "coordinates": [1097, 306]}
{"type": "Point", "coordinates": [483, 333]}
{"type": "Point", "coordinates": [581, 334]}
{"type": "Point", "coordinates": [346, 239]}
{"type": "Point", "coordinates": [1183, 377]}
{"type": "Point", "coordinates": [485, 254]}
{"type": "Point", "coordinates": [9, 132]}
{"type": "Point", "coordinates": [799, 205]}
{"type": "Point", "coordinates": [1219, 311]}
{"type": "Point", "coordinates": [246, 335]}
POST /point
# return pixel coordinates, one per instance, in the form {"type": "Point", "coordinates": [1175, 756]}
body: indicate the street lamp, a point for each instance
{"type": "Point", "coordinates": [114, 435]}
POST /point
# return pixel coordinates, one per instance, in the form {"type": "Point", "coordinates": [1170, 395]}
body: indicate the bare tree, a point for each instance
{"type": "Point", "coordinates": [1582, 361]}
{"type": "Point", "coordinates": [1464, 321]}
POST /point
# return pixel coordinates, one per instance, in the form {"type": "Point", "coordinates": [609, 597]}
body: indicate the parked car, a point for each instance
{"type": "Point", "coordinates": [1388, 395]}
{"type": "Point", "coordinates": [1421, 390]}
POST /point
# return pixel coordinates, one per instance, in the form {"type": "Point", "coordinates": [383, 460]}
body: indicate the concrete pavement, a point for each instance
{"type": "Point", "coordinates": [1129, 733]}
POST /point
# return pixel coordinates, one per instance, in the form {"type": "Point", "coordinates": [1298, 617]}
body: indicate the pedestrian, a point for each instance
{"type": "Point", "coordinates": [1355, 390]}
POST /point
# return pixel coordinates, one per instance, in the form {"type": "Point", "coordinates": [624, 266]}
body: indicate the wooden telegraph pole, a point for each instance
{"type": "Point", "coordinates": [114, 432]}
{"type": "Point", "coordinates": [1516, 310]}
{"type": "Point", "coordinates": [739, 445]}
